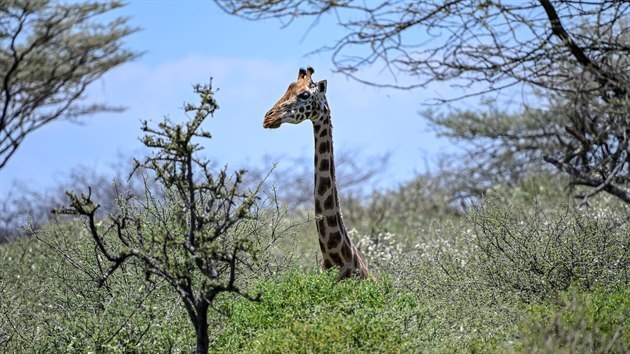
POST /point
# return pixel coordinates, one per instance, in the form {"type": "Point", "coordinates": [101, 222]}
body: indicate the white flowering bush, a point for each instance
{"type": "Point", "coordinates": [380, 248]}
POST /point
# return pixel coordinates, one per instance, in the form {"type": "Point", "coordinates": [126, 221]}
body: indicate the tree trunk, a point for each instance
{"type": "Point", "coordinates": [201, 328]}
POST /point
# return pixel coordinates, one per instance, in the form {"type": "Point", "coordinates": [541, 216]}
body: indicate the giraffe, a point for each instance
{"type": "Point", "coordinates": [306, 100]}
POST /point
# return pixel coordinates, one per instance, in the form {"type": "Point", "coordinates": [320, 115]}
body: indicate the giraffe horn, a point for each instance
{"type": "Point", "coordinates": [309, 73]}
{"type": "Point", "coordinates": [301, 74]}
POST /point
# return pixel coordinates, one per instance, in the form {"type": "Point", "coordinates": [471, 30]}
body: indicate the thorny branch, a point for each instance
{"type": "Point", "coordinates": [197, 237]}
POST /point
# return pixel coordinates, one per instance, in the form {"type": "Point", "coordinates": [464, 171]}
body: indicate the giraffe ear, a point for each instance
{"type": "Point", "coordinates": [321, 86]}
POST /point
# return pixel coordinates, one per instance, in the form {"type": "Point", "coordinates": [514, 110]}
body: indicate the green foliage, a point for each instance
{"type": "Point", "coordinates": [449, 311]}
{"type": "Point", "coordinates": [50, 300]}
{"type": "Point", "coordinates": [199, 237]}
{"type": "Point", "coordinates": [401, 210]}
{"type": "Point", "coordinates": [580, 322]}
{"type": "Point", "coordinates": [314, 313]}
{"type": "Point", "coordinates": [523, 271]}
{"type": "Point", "coordinates": [455, 291]}
{"type": "Point", "coordinates": [578, 131]}
{"type": "Point", "coordinates": [311, 313]}
{"type": "Point", "coordinates": [501, 148]}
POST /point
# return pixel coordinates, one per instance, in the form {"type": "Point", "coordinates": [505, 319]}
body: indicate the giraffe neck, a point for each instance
{"type": "Point", "coordinates": [337, 248]}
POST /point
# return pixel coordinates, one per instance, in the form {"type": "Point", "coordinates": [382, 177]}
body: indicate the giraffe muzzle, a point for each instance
{"type": "Point", "coordinates": [271, 120]}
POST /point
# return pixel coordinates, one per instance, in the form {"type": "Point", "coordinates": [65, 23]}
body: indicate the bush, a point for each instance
{"type": "Point", "coordinates": [314, 313]}
{"type": "Point", "coordinates": [408, 210]}
{"type": "Point", "coordinates": [539, 253]}
{"type": "Point", "coordinates": [201, 237]}
{"type": "Point", "coordinates": [51, 303]}
{"type": "Point", "coordinates": [512, 276]}
{"type": "Point", "coordinates": [581, 322]}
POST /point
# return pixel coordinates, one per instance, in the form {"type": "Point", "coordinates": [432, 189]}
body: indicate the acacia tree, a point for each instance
{"type": "Point", "coordinates": [50, 52]}
{"type": "Point", "coordinates": [200, 236]}
{"type": "Point", "coordinates": [573, 54]}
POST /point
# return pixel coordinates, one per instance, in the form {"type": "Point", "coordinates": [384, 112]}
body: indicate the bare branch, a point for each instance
{"type": "Point", "coordinates": [570, 56]}
{"type": "Point", "coordinates": [583, 179]}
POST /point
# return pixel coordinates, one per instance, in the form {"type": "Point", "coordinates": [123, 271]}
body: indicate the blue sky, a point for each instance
{"type": "Point", "coordinates": [251, 63]}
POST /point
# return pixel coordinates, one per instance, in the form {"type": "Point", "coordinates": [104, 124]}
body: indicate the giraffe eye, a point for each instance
{"type": "Point", "coordinates": [304, 95]}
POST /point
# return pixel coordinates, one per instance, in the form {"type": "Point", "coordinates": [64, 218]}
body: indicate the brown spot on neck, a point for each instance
{"type": "Point", "coordinates": [324, 147]}
{"type": "Point", "coordinates": [321, 227]}
{"type": "Point", "coordinates": [331, 220]}
{"type": "Point", "coordinates": [321, 246]}
{"type": "Point", "coordinates": [334, 238]}
{"type": "Point", "coordinates": [346, 252]}
{"type": "Point", "coordinates": [324, 165]}
{"type": "Point", "coordinates": [336, 258]}
{"type": "Point", "coordinates": [328, 203]}
{"type": "Point", "coordinates": [323, 185]}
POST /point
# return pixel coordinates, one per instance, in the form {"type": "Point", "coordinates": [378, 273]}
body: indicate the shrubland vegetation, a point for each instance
{"type": "Point", "coordinates": [524, 271]}
{"type": "Point", "coordinates": [493, 254]}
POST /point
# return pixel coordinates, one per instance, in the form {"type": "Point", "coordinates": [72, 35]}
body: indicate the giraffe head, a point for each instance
{"type": "Point", "coordinates": [303, 100]}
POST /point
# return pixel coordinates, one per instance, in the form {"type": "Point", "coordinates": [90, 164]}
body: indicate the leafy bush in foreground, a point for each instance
{"type": "Point", "coordinates": [314, 313]}
{"type": "Point", "coordinates": [311, 313]}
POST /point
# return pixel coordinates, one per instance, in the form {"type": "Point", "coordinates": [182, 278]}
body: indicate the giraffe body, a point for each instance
{"type": "Point", "coordinates": [306, 100]}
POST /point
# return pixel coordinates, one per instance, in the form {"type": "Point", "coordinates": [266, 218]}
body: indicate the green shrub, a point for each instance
{"type": "Point", "coordinates": [539, 277]}
{"type": "Point", "coordinates": [448, 310]}
{"type": "Point", "coordinates": [408, 211]}
{"type": "Point", "coordinates": [50, 301]}
{"type": "Point", "coordinates": [580, 322]}
{"type": "Point", "coordinates": [313, 313]}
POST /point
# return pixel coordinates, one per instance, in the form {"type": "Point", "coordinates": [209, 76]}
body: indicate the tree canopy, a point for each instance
{"type": "Point", "coordinates": [569, 57]}
{"type": "Point", "coordinates": [50, 52]}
